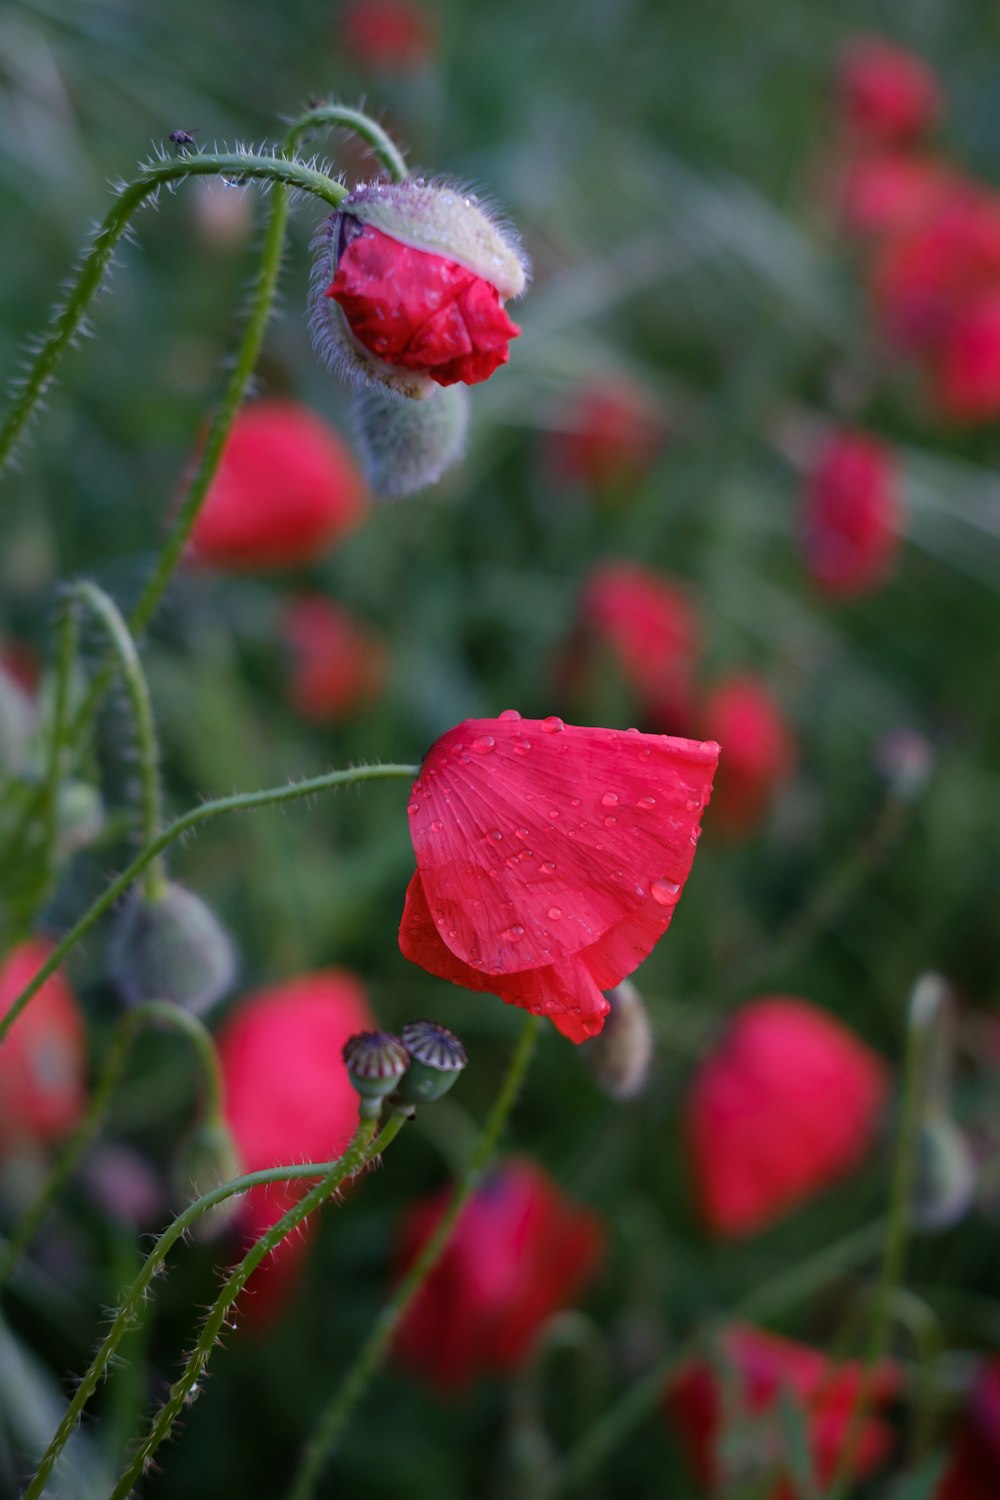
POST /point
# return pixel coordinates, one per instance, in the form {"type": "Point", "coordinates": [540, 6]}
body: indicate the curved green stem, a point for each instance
{"type": "Point", "coordinates": [240, 166]}
{"type": "Point", "coordinates": [66, 641]}
{"type": "Point", "coordinates": [131, 1306]}
{"type": "Point", "coordinates": [384, 147]}
{"type": "Point", "coordinates": [151, 812]}
{"type": "Point", "coordinates": [354, 1383]}
{"type": "Point", "coordinates": [239, 802]}
{"type": "Point", "coordinates": [153, 1012]}
{"type": "Point", "coordinates": [361, 1151]}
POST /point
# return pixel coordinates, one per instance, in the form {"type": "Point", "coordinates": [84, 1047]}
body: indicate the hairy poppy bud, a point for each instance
{"type": "Point", "coordinates": [81, 816]}
{"type": "Point", "coordinates": [405, 446]}
{"type": "Point", "coordinates": [436, 1059]}
{"type": "Point", "coordinates": [171, 947]}
{"type": "Point", "coordinates": [376, 1061]}
{"type": "Point", "coordinates": [207, 1159]}
{"type": "Point", "coordinates": [621, 1054]}
{"type": "Point", "coordinates": [409, 288]}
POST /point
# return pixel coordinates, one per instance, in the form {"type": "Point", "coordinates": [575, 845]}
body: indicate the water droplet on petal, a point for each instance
{"type": "Point", "coordinates": [437, 826]}
{"type": "Point", "coordinates": [483, 744]}
{"type": "Point", "coordinates": [548, 868]}
{"type": "Point", "coordinates": [513, 934]}
{"type": "Point", "coordinates": [609, 799]}
{"type": "Point", "coordinates": [496, 835]}
{"type": "Point", "coordinates": [553, 724]}
{"type": "Point", "coordinates": [521, 833]}
{"type": "Point", "coordinates": [412, 807]}
{"type": "Point", "coordinates": [510, 713]}
{"type": "Point", "coordinates": [644, 752]}
{"type": "Point", "coordinates": [647, 802]}
{"type": "Point", "coordinates": [512, 860]}
{"type": "Point", "coordinates": [521, 747]}
{"type": "Point", "coordinates": [693, 805]}
{"type": "Point", "coordinates": [610, 822]}
{"type": "Point", "coordinates": [664, 892]}
{"type": "Point", "coordinates": [555, 912]}
{"type": "Point", "coordinates": [553, 813]}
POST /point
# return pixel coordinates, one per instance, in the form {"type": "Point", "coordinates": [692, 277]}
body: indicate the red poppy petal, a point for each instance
{"type": "Point", "coordinates": [534, 839]}
{"type": "Point", "coordinates": [566, 993]}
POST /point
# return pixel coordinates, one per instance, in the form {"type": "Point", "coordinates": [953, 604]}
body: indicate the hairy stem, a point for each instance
{"type": "Point", "coordinates": [355, 1382]}
{"type": "Point", "coordinates": [361, 1151]}
{"type": "Point", "coordinates": [340, 115]}
{"type": "Point", "coordinates": [153, 1012]}
{"type": "Point", "coordinates": [239, 802]}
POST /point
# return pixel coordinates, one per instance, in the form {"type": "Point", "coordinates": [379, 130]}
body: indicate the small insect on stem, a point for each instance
{"type": "Point", "coordinates": [182, 139]}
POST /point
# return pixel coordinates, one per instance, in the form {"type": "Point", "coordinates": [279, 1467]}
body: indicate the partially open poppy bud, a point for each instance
{"type": "Point", "coordinates": [376, 1062]}
{"type": "Point", "coordinates": [171, 947]}
{"type": "Point", "coordinates": [404, 446]}
{"type": "Point", "coordinates": [436, 1059]}
{"type": "Point", "coordinates": [207, 1159]}
{"type": "Point", "coordinates": [409, 288]}
{"type": "Point", "coordinates": [620, 1055]}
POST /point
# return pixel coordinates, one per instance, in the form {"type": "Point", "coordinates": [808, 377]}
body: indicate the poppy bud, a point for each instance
{"type": "Point", "coordinates": [621, 1054]}
{"type": "Point", "coordinates": [946, 1174]}
{"type": "Point", "coordinates": [170, 947]}
{"type": "Point", "coordinates": [81, 816]}
{"type": "Point", "coordinates": [436, 1059]}
{"type": "Point", "coordinates": [376, 1061]}
{"type": "Point", "coordinates": [17, 722]}
{"type": "Point", "coordinates": [409, 287]}
{"type": "Point", "coordinates": [405, 446]}
{"type": "Point", "coordinates": [207, 1159]}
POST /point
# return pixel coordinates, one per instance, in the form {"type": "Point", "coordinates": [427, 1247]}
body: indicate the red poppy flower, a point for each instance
{"type": "Point", "coordinates": [610, 433]}
{"type": "Point", "coordinates": [289, 1099]}
{"type": "Point", "coordinates": [392, 34]}
{"type": "Point", "coordinates": [788, 1102]}
{"type": "Point", "coordinates": [652, 631]}
{"type": "Point", "coordinates": [287, 488]}
{"type": "Point", "coordinates": [43, 1060]}
{"type": "Point", "coordinates": [886, 192]}
{"type": "Point", "coordinates": [973, 1472]}
{"type": "Point", "coordinates": [966, 365]}
{"type": "Point", "coordinates": [744, 716]}
{"type": "Point", "coordinates": [736, 1432]}
{"type": "Point", "coordinates": [420, 275]}
{"type": "Point", "coordinates": [851, 514]}
{"type": "Point", "coordinates": [520, 1252]}
{"type": "Point", "coordinates": [338, 664]}
{"type": "Point", "coordinates": [550, 858]}
{"type": "Point", "coordinates": [887, 93]}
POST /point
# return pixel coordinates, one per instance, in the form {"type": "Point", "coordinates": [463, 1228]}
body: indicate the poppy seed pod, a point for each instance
{"type": "Point", "coordinates": [409, 288]}
{"type": "Point", "coordinates": [404, 446]}
{"type": "Point", "coordinates": [376, 1062]}
{"type": "Point", "coordinates": [171, 947]}
{"type": "Point", "coordinates": [436, 1059]}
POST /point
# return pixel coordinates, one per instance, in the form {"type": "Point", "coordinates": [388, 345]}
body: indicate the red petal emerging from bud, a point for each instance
{"type": "Point", "coordinates": [550, 859]}
{"type": "Point", "coordinates": [421, 311]}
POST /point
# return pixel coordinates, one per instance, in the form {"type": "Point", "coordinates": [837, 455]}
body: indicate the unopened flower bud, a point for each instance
{"type": "Point", "coordinates": [945, 1176]}
{"type": "Point", "coordinates": [80, 817]}
{"type": "Point", "coordinates": [409, 288]}
{"type": "Point", "coordinates": [405, 446]}
{"type": "Point", "coordinates": [17, 723]}
{"type": "Point", "coordinates": [207, 1159]}
{"type": "Point", "coordinates": [171, 946]}
{"type": "Point", "coordinates": [436, 1059]}
{"type": "Point", "coordinates": [621, 1054]}
{"type": "Point", "coordinates": [376, 1061]}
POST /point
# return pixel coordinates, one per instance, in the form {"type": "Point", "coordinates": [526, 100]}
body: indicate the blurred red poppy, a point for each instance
{"type": "Point", "coordinates": [288, 1099]}
{"type": "Point", "coordinates": [966, 364]}
{"type": "Point", "coordinates": [285, 490]}
{"type": "Point", "coordinates": [888, 192]}
{"type": "Point", "coordinates": [550, 858]}
{"type": "Point", "coordinates": [651, 629]}
{"type": "Point", "coordinates": [610, 432]}
{"type": "Point", "coordinates": [759, 751]}
{"type": "Point", "coordinates": [396, 35]}
{"type": "Point", "coordinates": [886, 93]}
{"type": "Point", "coordinates": [973, 1472]}
{"type": "Point", "coordinates": [851, 514]}
{"type": "Point", "coordinates": [43, 1060]}
{"type": "Point", "coordinates": [788, 1102]}
{"type": "Point", "coordinates": [520, 1252]}
{"type": "Point", "coordinates": [338, 663]}
{"type": "Point", "coordinates": [728, 1414]}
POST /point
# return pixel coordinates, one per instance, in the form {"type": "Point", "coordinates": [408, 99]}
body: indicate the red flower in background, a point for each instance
{"type": "Point", "coordinates": [851, 514]}
{"type": "Point", "coordinates": [396, 35]}
{"type": "Point", "coordinates": [520, 1252]}
{"type": "Point", "coordinates": [288, 1099]}
{"type": "Point", "coordinates": [887, 192]}
{"type": "Point", "coordinates": [286, 488]}
{"type": "Point", "coordinates": [550, 858]}
{"type": "Point", "coordinates": [750, 1441]}
{"type": "Point", "coordinates": [886, 93]}
{"type": "Point", "coordinates": [973, 1472]}
{"type": "Point", "coordinates": [43, 1060]}
{"type": "Point", "coordinates": [759, 751]}
{"type": "Point", "coordinates": [966, 364]}
{"type": "Point", "coordinates": [652, 631]}
{"type": "Point", "coordinates": [610, 433]}
{"type": "Point", "coordinates": [788, 1102]}
{"type": "Point", "coordinates": [338, 664]}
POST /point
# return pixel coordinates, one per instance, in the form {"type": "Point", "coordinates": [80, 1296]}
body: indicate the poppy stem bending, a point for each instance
{"type": "Point", "coordinates": [152, 1013]}
{"type": "Point", "coordinates": [238, 802]}
{"type": "Point", "coordinates": [327, 1432]}
{"type": "Point", "coordinates": [361, 1150]}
